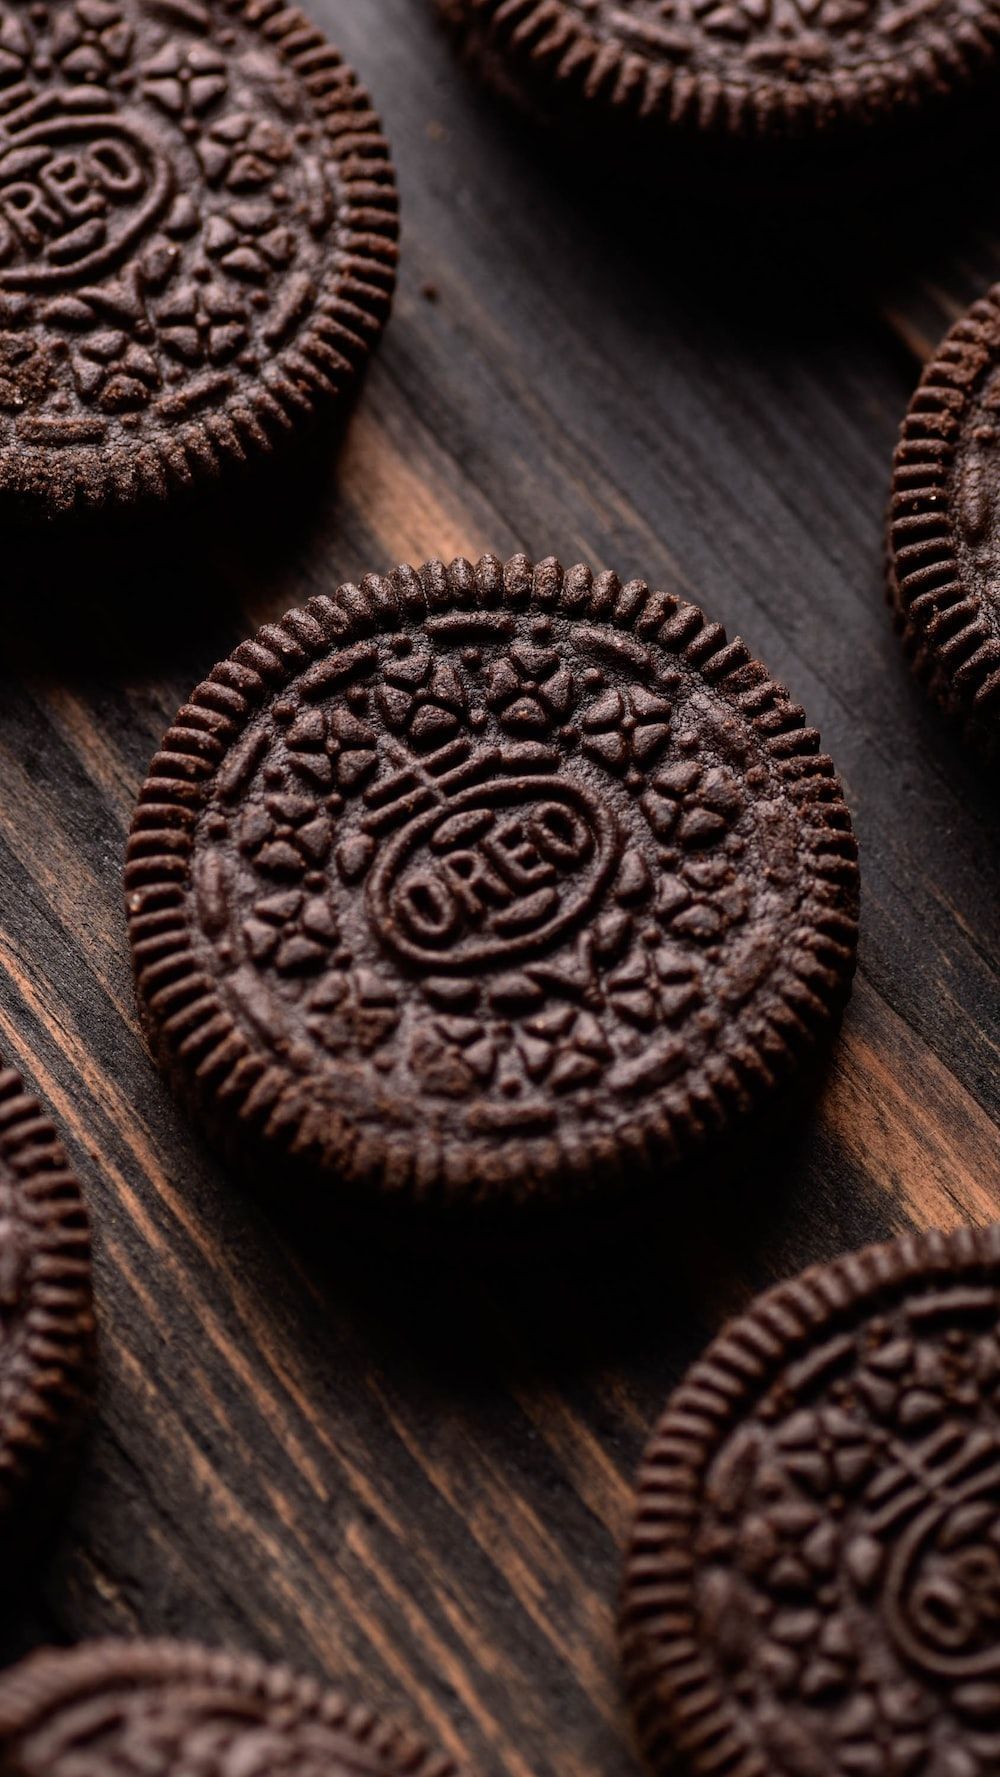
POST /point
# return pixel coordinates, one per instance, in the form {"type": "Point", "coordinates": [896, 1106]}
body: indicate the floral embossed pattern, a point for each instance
{"type": "Point", "coordinates": [197, 241]}
{"type": "Point", "coordinates": [789, 39]}
{"type": "Point", "coordinates": [503, 876]}
{"type": "Point", "coordinates": [157, 1709]}
{"type": "Point", "coordinates": [814, 1581]}
{"type": "Point", "coordinates": [754, 66]}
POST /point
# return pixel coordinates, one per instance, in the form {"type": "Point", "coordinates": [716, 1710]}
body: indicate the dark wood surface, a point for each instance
{"type": "Point", "coordinates": [414, 1476]}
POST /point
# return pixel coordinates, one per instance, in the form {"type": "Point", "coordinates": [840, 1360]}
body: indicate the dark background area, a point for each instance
{"type": "Point", "coordinates": [408, 1472]}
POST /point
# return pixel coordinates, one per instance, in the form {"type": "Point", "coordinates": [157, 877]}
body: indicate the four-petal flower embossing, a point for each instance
{"type": "Point", "coordinates": [626, 728]}
{"type": "Point", "coordinates": [352, 1009]}
{"type": "Point", "coordinates": [91, 40]}
{"type": "Point", "coordinates": [693, 804]}
{"type": "Point", "coordinates": [185, 80]}
{"type": "Point", "coordinates": [117, 373]}
{"type": "Point", "coordinates": [335, 749]}
{"type": "Point", "coordinates": [421, 697]}
{"type": "Point", "coordinates": [294, 931]}
{"type": "Point", "coordinates": [202, 322]}
{"type": "Point", "coordinates": [530, 690]}
{"type": "Point", "coordinates": [285, 835]}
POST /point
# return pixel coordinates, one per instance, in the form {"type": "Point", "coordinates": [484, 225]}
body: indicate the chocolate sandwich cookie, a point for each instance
{"type": "Point", "coordinates": [197, 243]}
{"type": "Point", "coordinates": [162, 1708]}
{"type": "Point", "coordinates": [944, 525]}
{"type": "Point", "coordinates": [488, 884]}
{"type": "Point", "coordinates": [813, 1578]}
{"type": "Point", "coordinates": [729, 67]}
{"type": "Point", "coordinates": [46, 1311]}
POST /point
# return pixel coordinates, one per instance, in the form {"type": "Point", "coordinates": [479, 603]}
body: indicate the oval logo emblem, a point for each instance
{"type": "Point", "coordinates": [498, 874]}
{"type": "Point", "coordinates": [75, 194]}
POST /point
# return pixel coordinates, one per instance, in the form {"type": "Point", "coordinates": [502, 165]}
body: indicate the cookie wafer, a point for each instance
{"type": "Point", "coordinates": [197, 244]}
{"type": "Point", "coordinates": [116, 1708]}
{"type": "Point", "coordinates": [488, 885]}
{"type": "Point", "coordinates": [813, 1576]}
{"type": "Point", "coordinates": [944, 525]}
{"type": "Point", "coordinates": [764, 68]}
{"type": "Point", "coordinates": [46, 1309]}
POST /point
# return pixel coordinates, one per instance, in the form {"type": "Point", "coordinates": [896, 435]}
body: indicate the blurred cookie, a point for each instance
{"type": "Point", "coordinates": [197, 245]}
{"type": "Point", "coordinates": [944, 525]}
{"type": "Point", "coordinates": [813, 1575]}
{"type": "Point", "coordinates": [729, 67]}
{"type": "Point", "coordinates": [46, 1308]}
{"type": "Point", "coordinates": [115, 1708]}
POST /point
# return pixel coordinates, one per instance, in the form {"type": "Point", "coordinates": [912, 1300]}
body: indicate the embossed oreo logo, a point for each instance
{"type": "Point", "coordinates": [944, 1584]}
{"type": "Point", "coordinates": [75, 194]}
{"type": "Point", "coordinates": [503, 871]}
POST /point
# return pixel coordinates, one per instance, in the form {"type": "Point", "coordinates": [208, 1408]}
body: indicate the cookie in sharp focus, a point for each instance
{"type": "Point", "coordinates": [116, 1708]}
{"type": "Point", "coordinates": [749, 67]}
{"type": "Point", "coordinates": [944, 525]}
{"type": "Point", "coordinates": [813, 1577]}
{"type": "Point", "coordinates": [488, 885]}
{"type": "Point", "coordinates": [46, 1310]}
{"type": "Point", "coordinates": [197, 244]}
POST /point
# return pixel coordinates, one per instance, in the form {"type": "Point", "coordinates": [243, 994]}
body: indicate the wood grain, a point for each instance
{"type": "Point", "coordinates": [406, 1472]}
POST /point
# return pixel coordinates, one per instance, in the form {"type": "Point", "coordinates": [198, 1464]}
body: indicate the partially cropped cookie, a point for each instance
{"type": "Point", "coordinates": [164, 1709]}
{"type": "Point", "coordinates": [944, 525]}
{"type": "Point", "coordinates": [197, 244]}
{"type": "Point", "coordinates": [729, 67]}
{"type": "Point", "coordinates": [813, 1577]}
{"type": "Point", "coordinates": [46, 1309]}
{"type": "Point", "coordinates": [488, 885]}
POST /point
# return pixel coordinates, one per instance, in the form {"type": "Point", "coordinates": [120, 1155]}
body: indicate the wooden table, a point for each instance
{"type": "Point", "coordinates": [415, 1479]}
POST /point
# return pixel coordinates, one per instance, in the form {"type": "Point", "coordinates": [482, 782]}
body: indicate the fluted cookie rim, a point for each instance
{"type": "Point", "coordinates": [677, 1704]}
{"type": "Point", "coordinates": [51, 1677]}
{"type": "Point", "coordinates": [544, 37]}
{"type": "Point", "coordinates": [58, 1327]}
{"type": "Point", "coordinates": [329, 354]}
{"type": "Point", "coordinates": [194, 1037]}
{"type": "Point", "coordinates": [943, 620]}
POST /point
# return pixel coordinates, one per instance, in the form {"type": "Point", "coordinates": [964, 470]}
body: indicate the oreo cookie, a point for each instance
{"type": "Point", "coordinates": [115, 1708]}
{"type": "Point", "coordinates": [813, 1576]}
{"type": "Point", "coordinates": [197, 244]}
{"type": "Point", "coordinates": [488, 885]}
{"type": "Point", "coordinates": [46, 1309]}
{"type": "Point", "coordinates": [944, 525]}
{"type": "Point", "coordinates": [761, 68]}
